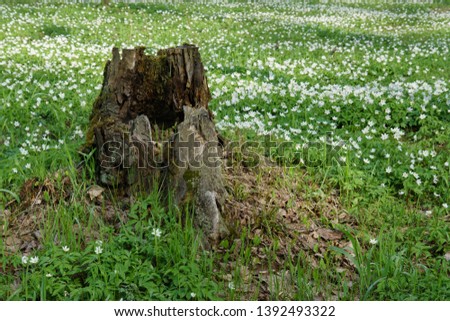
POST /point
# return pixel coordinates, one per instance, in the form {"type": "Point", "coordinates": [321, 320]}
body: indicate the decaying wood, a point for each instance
{"type": "Point", "coordinates": [151, 125]}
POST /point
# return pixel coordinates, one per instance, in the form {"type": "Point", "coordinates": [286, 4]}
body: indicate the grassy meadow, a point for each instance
{"type": "Point", "coordinates": [351, 104]}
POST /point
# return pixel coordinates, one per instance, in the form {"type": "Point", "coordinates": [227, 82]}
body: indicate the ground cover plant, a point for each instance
{"type": "Point", "coordinates": [343, 192]}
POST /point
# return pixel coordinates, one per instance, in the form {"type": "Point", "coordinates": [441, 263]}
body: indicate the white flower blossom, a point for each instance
{"type": "Point", "coordinates": [156, 232]}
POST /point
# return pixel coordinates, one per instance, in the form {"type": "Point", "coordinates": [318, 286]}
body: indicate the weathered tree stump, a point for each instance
{"type": "Point", "coordinates": [151, 127]}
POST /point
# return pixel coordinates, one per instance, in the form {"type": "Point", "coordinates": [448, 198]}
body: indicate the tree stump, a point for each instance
{"type": "Point", "coordinates": [151, 128]}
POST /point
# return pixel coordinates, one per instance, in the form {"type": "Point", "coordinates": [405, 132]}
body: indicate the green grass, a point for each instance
{"type": "Point", "coordinates": [361, 92]}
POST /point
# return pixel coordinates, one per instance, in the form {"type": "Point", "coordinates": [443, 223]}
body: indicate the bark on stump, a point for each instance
{"type": "Point", "coordinates": [151, 127]}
